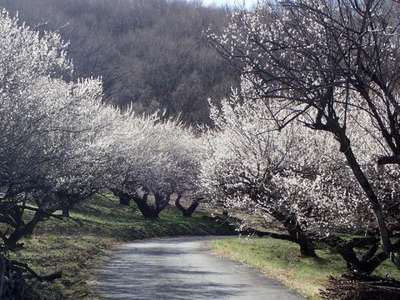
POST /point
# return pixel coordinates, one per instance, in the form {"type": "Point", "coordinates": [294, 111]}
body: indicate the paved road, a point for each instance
{"type": "Point", "coordinates": [182, 268]}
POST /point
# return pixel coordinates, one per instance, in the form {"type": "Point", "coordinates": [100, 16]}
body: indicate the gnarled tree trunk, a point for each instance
{"type": "Point", "coordinates": [64, 203]}
{"type": "Point", "coordinates": [152, 211]}
{"type": "Point", "coordinates": [148, 211]}
{"type": "Point", "coordinates": [307, 247]}
{"type": "Point", "coordinates": [124, 198]}
{"type": "Point", "coordinates": [187, 212]}
{"type": "Point", "coordinates": [360, 264]}
{"type": "Point", "coordinates": [162, 201]}
{"type": "Point", "coordinates": [65, 212]}
{"type": "Point", "coordinates": [23, 229]}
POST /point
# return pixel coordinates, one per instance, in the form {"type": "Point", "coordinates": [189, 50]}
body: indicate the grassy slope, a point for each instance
{"type": "Point", "coordinates": [280, 260]}
{"type": "Point", "coordinates": [77, 245]}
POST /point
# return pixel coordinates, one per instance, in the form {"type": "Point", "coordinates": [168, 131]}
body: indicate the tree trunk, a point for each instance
{"type": "Point", "coordinates": [65, 204]}
{"type": "Point", "coordinates": [345, 147]}
{"type": "Point", "coordinates": [187, 212]}
{"type": "Point", "coordinates": [162, 201]}
{"type": "Point", "coordinates": [307, 248]}
{"type": "Point", "coordinates": [65, 212]}
{"type": "Point", "coordinates": [23, 230]}
{"type": "Point", "coordinates": [365, 264]}
{"type": "Point", "coordinates": [148, 211]}
{"type": "Point", "coordinates": [124, 199]}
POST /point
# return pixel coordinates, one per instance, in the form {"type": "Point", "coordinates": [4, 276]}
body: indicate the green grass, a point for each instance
{"type": "Point", "coordinates": [281, 260]}
{"type": "Point", "coordinates": [76, 246]}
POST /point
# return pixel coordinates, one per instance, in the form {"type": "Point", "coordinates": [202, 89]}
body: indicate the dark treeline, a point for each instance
{"type": "Point", "coordinates": [150, 53]}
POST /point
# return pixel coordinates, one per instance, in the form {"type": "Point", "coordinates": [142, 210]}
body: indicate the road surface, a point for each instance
{"type": "Point", "coordinates": [182, 268]}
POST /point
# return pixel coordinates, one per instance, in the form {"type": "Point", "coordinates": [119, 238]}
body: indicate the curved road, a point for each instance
{"type": "Point", "coordinates": [182, 268]}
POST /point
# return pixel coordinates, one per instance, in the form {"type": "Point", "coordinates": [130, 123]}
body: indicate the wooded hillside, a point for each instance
{"type": "Point", "coordinates": [149, 53]}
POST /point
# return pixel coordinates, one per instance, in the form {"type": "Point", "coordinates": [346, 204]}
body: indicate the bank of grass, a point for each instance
{"type": "Point", "coordinates": [280, 260]}
{"type": "Point", "coordinates": [77, 245]}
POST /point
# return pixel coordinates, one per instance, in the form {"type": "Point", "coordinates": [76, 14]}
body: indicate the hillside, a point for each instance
{"type": "Point", "coordinates": [150, 54]}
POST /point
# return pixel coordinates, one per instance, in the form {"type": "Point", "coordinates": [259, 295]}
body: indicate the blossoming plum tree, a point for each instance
{"type": "Point", "coordinates": [255, 168]}
{"type": "Point", "coordinates": [54, 137]}
{"type": "Point", "coordinates": [324, 62]}
{"type": "Point", "coordinates": [157, 159]}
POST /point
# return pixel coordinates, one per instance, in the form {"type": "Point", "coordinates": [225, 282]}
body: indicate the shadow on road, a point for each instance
{"type": "Point", "coordinates": [180, 269]}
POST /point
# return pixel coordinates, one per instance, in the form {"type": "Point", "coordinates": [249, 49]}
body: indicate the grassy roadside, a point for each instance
{"type": "Point", "coordinates": [280, 260]}
{"type": "Point", "coordinates": [76, 246]}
